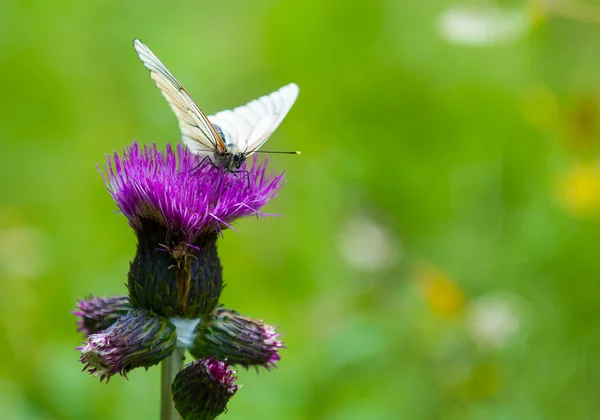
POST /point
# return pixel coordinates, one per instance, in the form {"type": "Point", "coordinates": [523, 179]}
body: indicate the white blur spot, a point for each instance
{"type": "Point", "coordinates": [367, 245]}
{"type": "Point", "coordinates": [481, 26]}
{"type": "Point", "coordinates": [22, 252]}
{"type": "Point", "coordinates": [494, 319]}
{"type": "Point", "coordinates": [186, 331]}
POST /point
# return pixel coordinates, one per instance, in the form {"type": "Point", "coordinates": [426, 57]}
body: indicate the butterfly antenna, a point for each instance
{"type": "Point", "coordinates": [297, 152]}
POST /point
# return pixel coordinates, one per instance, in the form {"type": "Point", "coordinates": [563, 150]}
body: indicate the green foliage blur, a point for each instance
{"type": "Point", "coordinates": [438, 252]}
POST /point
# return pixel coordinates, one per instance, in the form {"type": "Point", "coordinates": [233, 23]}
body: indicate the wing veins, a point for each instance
{"type": "Point", "coordinates": [186, 110]}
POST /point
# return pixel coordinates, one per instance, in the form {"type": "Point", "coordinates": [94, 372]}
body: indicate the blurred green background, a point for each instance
{"type": "Point", "coordinates": [438, 251]}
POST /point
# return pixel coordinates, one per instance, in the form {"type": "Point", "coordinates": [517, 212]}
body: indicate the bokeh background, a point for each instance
{"type": "Point", "coordinates": [438, 251]}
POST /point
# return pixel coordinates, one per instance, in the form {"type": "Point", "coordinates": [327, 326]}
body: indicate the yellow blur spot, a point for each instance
{"type": "Point", "coordinates": [442, 295]}
{"type": "Point", "coordinates": [578, 190]}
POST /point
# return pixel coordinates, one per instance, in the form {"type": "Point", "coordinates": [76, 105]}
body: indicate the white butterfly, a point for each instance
{"type": "Point", "coordinates": [227, 137]}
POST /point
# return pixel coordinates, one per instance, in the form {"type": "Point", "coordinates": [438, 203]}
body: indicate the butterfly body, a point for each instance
{"type": "Point", "coordinates": [229, 161]}
{"type": "Point", "coordinates": [228, 137]}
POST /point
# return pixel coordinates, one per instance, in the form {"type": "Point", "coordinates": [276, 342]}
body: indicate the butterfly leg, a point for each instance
{"type": "Point", "coordinates": [235, 173]}
{"type": "Point", "coordinates": [195, 168]}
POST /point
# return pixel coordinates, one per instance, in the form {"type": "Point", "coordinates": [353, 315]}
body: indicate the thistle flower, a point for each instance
{"type": "Point", "coordinates": [98, 313]}
{"type": "Point", "coordinates": [138, 339]}
{"type": "Point", "coordinates": [201, 390]}
{"type": "Point", "coordinates": [238, 339]}
{"type": "Point", "coordinates": [176, 203]}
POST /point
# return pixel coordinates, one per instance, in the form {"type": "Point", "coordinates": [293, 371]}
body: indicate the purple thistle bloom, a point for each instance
{"type": "Point", "coordinates": [177, 204]}
{"type": "Point", "coordinates": [139, 339]}
{"type": "Point", "coordinates": [203, 388]}
{"type": "Point", "coordinates": [238, 339]}
{"type": "Point", "coordinates": [98, 313]}
{"type": "Point", "coordinates": [172, 189]}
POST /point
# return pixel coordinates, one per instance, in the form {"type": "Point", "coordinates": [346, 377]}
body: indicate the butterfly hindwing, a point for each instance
{"type": "Point", "coordinates": [249, 126]}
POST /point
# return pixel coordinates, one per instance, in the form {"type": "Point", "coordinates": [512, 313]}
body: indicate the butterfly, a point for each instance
{"type": "Point", "coordinates": [230, 136]}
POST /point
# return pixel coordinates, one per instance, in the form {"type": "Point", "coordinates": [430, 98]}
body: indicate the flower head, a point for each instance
{"type": "Point", "coordinates": [201, 390]}
{"type": "Point", "coordinates": [139, 339]}
{"type": "Point", "coordinates": [177, 204]}
{"type": "Point", "coordinates": [238, 339]}
{"type": "Point", "coordinates": [182, 192]}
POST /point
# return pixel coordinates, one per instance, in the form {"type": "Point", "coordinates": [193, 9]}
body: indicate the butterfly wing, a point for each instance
{"type": "Point", "coordinates": [197, 132]}
{"type": "Point", "coordinates": [249, 126]}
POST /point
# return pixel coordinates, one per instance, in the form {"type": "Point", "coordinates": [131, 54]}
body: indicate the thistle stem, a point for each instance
{"type": "Point", "coordinates": [170, 367]}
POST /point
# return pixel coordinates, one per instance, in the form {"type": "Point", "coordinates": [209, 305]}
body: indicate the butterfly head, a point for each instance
{"type": "Point", "coordinates": [238, 159]}
{"type": "Point", "coordinates": [236, 156]}
{"type": "Point", "coordinates": [231, 159]}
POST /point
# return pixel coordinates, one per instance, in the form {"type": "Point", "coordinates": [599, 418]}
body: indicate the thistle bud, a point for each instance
{"type": "Point", "coordinates": [138, 339]}
{"type": "Point", "coordinates": [203, 388]}
{"type": "Point", "coordinates": [238, 339]}
{"type": "Point", "coordinates": [98, 313]}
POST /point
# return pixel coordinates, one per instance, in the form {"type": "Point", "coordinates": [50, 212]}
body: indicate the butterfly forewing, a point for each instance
{"type": "Point", "coordinates": [197, 132]}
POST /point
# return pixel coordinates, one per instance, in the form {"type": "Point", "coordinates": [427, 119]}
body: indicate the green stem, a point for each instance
{"type": "Point", "coordinates": [170, 367]}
